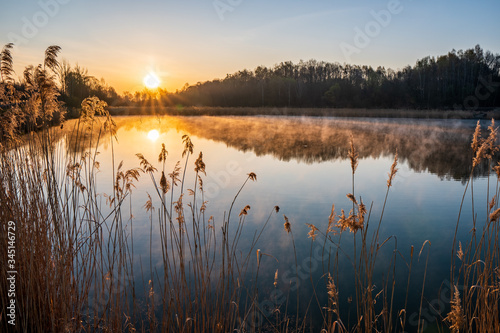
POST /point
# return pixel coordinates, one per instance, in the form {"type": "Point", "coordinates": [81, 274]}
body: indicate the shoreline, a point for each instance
{"type": "Point", "coordinates": [309, 112]}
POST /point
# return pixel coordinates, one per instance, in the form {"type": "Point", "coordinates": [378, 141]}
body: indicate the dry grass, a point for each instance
{"type": "Point", "coordinates": [374, 305]}
{"type": "Point", "coordinates": [476, 272]}
{"type": "Point", "coordinates": [75, 256]}
{"type": "Point", "coordinates": [69, 251]}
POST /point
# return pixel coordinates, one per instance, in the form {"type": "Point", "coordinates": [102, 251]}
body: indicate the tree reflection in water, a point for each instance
{"type": "Point", "coordinates": [441, 147]}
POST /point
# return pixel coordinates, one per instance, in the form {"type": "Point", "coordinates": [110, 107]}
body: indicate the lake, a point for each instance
{"type": "Point", "coordinates": [302, 166]}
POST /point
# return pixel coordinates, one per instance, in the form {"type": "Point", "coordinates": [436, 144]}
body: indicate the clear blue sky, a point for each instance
{"type": "Point", "coordinates": [198, 40]}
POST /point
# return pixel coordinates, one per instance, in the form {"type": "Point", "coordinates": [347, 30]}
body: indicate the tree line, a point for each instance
{"type": "Point", "coordinates": [76, 85]}
{"type": "Point", "coordinates": [467, 79]}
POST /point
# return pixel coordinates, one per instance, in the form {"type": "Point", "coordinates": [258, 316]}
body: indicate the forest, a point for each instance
{"type": "Point", "coordinates": [458, 80]}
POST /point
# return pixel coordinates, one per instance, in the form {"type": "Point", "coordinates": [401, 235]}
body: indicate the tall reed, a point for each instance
{"type": "Point", "coordinates": [77, 270]}
{"type": "Point", "coordinates": [374, 302]}
{"type": "Point", "coordinates": [475, 269]}
{"type": "Point", "coordinates": [68, 248]}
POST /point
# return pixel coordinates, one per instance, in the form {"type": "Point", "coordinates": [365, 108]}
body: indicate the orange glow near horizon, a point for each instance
{"type": "Point", "coordinates": [128, 75]}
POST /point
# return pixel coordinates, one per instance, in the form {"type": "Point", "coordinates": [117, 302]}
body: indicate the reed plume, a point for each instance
{"type": "Point", "coordinates": [6, 64]}
{"type": "Point", "coordinates": [245, 210]}
{"type": "Point", "coordinates": [476, 138]}
{"type": "Point", "coordinates": [332, 294]}
{"type": "Point", "coordinates": [353, 154]}
{"type": "Point", "coordinates": [287, 225]}
{"type": "Point", "coordinates": [188, 145]}
{"type": "Point", "coordinates": [393, 171]}
{"type": "Point", "coordinates": [146, 166]}
{"type": "Point", "coordinates": [495, 215]}
{"type": "Point", "coordinates": [174, 175]}
{"type": "Point", "coordinates": [164, 184]}
{"type": "Point", "coordinates": [456, 316]}
{"type": "Point", "coordinates": [492, 203]}
{"type": "Point", "coordinates": [460, 252]}
{"type": "Point", "coordinates": [484, 148]}
{"type": "Point", "coordinates": [162, 157]}
{"type": "Point", "coordinates": [331, 220]}
{"type": "Point", "coordinates": [199, 164]}
{"type": "Point", "coordinates": [351, 197]}
{"type": "Point", "coordinates": [353, 222]}
{"type": "Point", "coordinates": [312, 231]}
{"type": "Point", "coordinates": [492, 148]}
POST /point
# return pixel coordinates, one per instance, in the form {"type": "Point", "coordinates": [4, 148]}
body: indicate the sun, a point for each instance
{"type": "Point", "coordinates": [152, 80]}
{"type": "Point", "coordinates": [153, 135]}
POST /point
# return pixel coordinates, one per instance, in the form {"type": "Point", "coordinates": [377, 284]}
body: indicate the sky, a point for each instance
{"type": "Point", "coordinates": [190, 41]}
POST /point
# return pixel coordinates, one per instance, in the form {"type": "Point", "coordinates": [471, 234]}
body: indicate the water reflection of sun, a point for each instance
{"type": "Point", "coordinates": [153, 135]}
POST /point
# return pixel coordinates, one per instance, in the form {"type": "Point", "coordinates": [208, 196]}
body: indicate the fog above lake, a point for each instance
{"type": "Point", "coordinates": [441, 147]}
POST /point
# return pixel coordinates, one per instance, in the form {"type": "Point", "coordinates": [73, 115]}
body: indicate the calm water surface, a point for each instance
{"type": "Point", "coordinates": [302, 167]}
